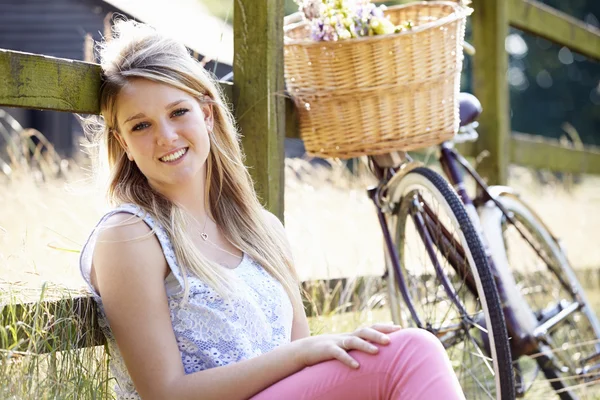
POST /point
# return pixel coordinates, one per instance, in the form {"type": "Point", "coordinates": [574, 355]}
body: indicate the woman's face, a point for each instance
{"type": "Point", "coordinates": [164, 130]}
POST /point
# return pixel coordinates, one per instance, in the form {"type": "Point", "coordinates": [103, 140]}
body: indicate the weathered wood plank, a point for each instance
{"type": "Point", "coordinates": [490, 27]}
{"type": "Point", "coordinates": [543, 153]}
{"type": "Point", "coordinates": [49, 83]}
{"type": "Point", "coordinates": [36, 81]}
{"type": "Point", "coordinates": [542, 20]}
{"type": "Point", "coordinates": [258, 94]}
{"type": "Point", "coordinates": [53, 325]}
{"type": "Point", "coordinates": [72, 323]}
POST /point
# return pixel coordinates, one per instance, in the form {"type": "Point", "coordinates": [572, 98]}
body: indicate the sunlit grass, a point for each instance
{"type": "Point", "coordinates": [44, 351]}
{"type": "Point", "coordinates": [331, 225]}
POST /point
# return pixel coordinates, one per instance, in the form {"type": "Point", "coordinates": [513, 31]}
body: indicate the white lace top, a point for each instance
{"type": "Point", "coordinates": [210, 331]}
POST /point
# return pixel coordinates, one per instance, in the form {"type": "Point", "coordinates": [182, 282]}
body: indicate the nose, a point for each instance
{"type": "Point", "coordinates": [166, 134]}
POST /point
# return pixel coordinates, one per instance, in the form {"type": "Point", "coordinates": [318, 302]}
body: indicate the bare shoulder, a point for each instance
{"type": "Point", "coordinates": [273, 220]}
{"type": "Point", "coordinates": [126, 248]}
{"type": "Point", "coordinates": [123, 226]}
{"type": "Point", "coordinates": [278, 227]}
{"type": "Point", "coordinates": [126, 235]}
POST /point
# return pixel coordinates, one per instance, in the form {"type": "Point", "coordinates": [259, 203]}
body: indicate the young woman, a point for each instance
{"type": "Point", "coordinates": [194, 280]}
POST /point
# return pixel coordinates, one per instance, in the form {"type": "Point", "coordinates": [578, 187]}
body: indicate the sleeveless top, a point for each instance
{"type": "Point", "coordinates": [210, 331]}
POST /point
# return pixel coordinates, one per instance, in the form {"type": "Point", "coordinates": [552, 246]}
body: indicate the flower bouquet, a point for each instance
{"type": "Point", "coordinates": [332, 20]}
{"type": "Point", "coordinates": [370, 80]}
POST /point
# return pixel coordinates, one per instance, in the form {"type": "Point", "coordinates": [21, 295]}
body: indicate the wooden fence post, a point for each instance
{"type": "Point", "coordinates": [490, 28]}
{"type": "Point", "coordinates": [258, 94]}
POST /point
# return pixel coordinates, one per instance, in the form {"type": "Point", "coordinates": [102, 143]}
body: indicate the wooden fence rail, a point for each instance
{"type": "Point", "coordinates": [541, 20]}
{"type": "Point", "coordinates": [491, 20]}
{"type": "Point", "coordinates": [264, 116]}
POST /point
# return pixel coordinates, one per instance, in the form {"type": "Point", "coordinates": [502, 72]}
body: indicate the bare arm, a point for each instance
{"type": "Point", "coordinates": [300, 327]}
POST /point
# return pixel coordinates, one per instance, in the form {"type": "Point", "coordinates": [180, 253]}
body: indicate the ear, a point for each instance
{"type": "Point", "coordinates": [123, 144]}
{"type": "Point", "coordinates": [209, 116]}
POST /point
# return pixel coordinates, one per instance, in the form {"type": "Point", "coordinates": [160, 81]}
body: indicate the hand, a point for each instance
{"type": "Point", "coordinates": [316, 349]}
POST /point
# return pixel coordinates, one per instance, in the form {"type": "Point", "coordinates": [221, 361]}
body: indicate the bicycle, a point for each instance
{"type": "Point", "coordinates": [544, 306]}
{"type": "Point", "coordinates": [437, 265]}
{"type": "Point", "coordinates": [549, 324]}
{"type": "Point", "coordinates": [446, 261]}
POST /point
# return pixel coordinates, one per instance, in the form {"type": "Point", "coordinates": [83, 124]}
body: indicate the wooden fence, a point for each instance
{"type": "Point", "coordinates": [264, 115]}
{"type": "Point", "coordinates": [491, 20]}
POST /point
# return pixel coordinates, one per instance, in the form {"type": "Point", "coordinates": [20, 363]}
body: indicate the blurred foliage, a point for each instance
{"type": "Point", "coordinates": [224, 8]}
{"type": "Point", "coordinates": [551, 86]}
{"type": "Point", "coordinates": [553, 92]}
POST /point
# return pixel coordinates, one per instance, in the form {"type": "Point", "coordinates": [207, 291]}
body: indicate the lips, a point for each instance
{"type": "Point", "coordinates": [175, 155]}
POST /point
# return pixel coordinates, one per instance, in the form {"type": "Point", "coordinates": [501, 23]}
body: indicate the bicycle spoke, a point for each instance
{"type": "Point", "coordinates": [481, 386]}
{"type": "Point", "coordinates": [480, 354]}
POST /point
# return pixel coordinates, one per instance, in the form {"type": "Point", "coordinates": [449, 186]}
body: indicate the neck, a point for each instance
{"type": "Point", "coordinates": [190, 197]}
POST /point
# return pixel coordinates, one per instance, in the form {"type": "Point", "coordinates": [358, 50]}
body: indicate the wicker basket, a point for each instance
{"type": "Point", "coordinates": [378, 94]}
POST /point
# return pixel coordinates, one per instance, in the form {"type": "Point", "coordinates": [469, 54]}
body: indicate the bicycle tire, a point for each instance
{"type": "Point", "coordinates": [583, 324]}
{"type": "Point", "coordinates": [498, 343]}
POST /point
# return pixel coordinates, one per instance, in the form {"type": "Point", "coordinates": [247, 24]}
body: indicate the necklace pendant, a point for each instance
{"type": "Point", "coordinates": [204, 236]}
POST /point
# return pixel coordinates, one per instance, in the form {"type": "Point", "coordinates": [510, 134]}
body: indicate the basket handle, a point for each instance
{"type": "Point", "coordinates": [293, 18]}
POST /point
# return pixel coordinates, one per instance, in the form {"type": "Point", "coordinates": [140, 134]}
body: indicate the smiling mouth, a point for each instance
{"type": "Point", "coordinates": [174, 156]}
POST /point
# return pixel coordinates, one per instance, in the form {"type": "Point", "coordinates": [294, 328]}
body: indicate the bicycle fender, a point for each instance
{"type": "Point", "coordinates": [491, 222]}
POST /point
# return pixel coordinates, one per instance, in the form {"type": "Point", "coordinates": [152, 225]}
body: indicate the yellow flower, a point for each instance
{"type": "Point", "coordinates": [382, 26]}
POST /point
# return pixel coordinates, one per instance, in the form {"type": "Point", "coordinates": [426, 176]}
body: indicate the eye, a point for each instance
{"type": "Point", "coordinates": [140, 126]}
{"type": "Point", "coordinates": [179, 112]}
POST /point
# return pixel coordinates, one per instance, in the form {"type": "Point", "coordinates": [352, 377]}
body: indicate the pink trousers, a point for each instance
{"type": "Point", "coordinates": [413, 366]}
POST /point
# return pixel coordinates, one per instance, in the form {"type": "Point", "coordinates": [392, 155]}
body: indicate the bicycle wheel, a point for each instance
{"type": "Point", "coordinates": [570, 352]}
{"type": "Point", "coordinates": [447, 288]}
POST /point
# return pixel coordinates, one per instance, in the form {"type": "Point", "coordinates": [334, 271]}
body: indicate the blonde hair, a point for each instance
{"type": "Point", "coordinates": [138, 51]}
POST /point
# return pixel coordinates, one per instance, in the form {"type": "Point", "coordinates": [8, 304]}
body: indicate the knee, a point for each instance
{"type": "Point", "coordinates": [420, 340]}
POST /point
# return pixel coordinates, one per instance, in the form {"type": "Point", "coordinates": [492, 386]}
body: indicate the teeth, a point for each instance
{"type": "Point", "coordinates": [174, 156]}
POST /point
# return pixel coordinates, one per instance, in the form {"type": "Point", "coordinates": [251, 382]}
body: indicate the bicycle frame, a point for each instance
{"type": "Point", "coordinates": [528, 331]}
{"type": "Point", "coordinates": [423, 219]}
{"type": "Point", "coordinates": [522, 324]}
{"type": "Point", "coordinates": [520, 320]}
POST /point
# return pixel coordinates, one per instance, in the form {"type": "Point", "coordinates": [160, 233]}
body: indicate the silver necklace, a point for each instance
{"type": "Point", "coordinates": [204, 237]}
{"type": "Point", "coordinates": [222, 249]}
{"type": "Point", "coordinates": [203, 234]}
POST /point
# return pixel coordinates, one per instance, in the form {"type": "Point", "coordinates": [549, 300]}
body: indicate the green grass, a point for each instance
{"type": "Point", "coordinates": [41, 356]}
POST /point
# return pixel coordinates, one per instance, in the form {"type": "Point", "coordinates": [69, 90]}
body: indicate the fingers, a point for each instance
{"type": "Point", "coordinates": [363, 340]}
{"type": "Point", "coordinates": [343, 356]}
{"type": "Point", "coordinates": [386, 328]}
{"type": "Point", "coordinates": [376, 334]}
{"type": "Point", "coordinates": [356, 343]}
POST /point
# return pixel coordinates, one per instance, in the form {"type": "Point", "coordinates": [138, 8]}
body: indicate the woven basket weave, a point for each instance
{"type": "Point", "coordinates": [378, 94]}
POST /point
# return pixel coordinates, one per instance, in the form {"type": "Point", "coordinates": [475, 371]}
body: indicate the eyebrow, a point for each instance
{"type": "Point", "coordinates": [141, 115]}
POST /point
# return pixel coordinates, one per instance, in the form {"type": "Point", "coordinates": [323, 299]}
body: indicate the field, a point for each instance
{"type": "Point", "coordinates": [329, 220]}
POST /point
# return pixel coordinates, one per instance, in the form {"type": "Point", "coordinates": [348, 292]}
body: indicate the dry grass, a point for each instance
{"type": "Point", "coordinates": [571, 212]}
{"type": "Point", "coordinates": [42, 228]}
{"type": "Point", "coordinates": [330, 222]}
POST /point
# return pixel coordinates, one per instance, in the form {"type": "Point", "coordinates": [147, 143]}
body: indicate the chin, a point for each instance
{"type": "Point", "coordinates": [185, 176]}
